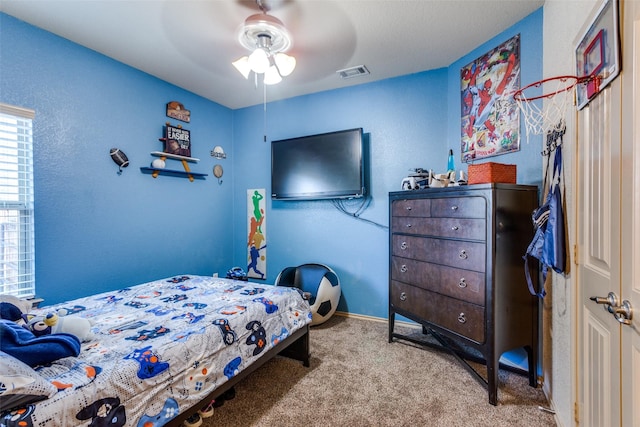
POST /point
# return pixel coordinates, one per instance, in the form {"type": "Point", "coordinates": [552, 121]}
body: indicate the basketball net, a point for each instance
{"type": "Point", "coordinates": [544, 114]}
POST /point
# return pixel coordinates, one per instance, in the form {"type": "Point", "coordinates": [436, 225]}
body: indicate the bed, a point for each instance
{"type": "Point", "coordinates": [161, 350]}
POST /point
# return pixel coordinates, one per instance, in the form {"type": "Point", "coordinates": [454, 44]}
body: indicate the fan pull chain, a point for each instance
{"type": "Point", "coordinates": [264, 103]}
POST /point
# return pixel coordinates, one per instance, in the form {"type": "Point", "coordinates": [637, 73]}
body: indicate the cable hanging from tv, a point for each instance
{"type": "Point", "coordinates": [365, 201]}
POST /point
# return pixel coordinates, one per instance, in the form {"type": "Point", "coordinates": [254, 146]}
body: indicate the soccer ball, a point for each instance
{"type": "Point", "coordinates": [321, 282]}
{"type": "Point", "coordinates": [327, 298]}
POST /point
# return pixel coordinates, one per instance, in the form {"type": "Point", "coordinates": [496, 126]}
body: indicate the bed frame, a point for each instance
{"type": "Point", "coordinates": [295, 346]}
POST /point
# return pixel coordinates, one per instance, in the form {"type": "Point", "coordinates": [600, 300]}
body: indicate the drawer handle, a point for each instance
{"type": "Point", "coordinates": [408, 208]}
{"type": "Point", "coordinates": [404, 246]}
{"type": "Point", "coordinates": [462, 283]}
{"type": "Point", "coordinates": [454, 208]}
{"type": "Point", "coordinates": [408, 225]}
{"type": "Point", "coordinates": [463, 254]}
{"type": "Point", "coordinates": [455, 228]}
{"type": "Point", "coordinates": [403, 296]}
{"type": "Point", "coordinates": [462, 318]}
{"type": "Point", "coordinates": [403, 268]}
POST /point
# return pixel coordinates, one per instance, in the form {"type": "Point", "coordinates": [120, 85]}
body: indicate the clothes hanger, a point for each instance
{"type": "Point", "coordinates": [554, 139]}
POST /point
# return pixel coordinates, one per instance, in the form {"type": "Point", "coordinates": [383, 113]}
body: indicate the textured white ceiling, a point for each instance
{"type": "Point", "coordinates": [191, 43]}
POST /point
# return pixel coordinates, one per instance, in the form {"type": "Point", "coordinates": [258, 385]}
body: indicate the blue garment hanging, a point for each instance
{"type": "Point", "coordinates": [549, 241]}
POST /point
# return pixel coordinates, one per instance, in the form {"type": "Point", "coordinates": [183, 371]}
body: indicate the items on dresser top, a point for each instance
{"type": "Point", "coordinates": [422, 178]}
{"type": "Point", "coordinates": [456, 268]}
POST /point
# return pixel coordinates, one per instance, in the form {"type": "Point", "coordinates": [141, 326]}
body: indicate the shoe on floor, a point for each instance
{"type": "Point", "coordinates": [193, 421]}
{"type": "Point", "coordinates": [207, 410]}
{"type": "Point", "coordinates": [229, 394]}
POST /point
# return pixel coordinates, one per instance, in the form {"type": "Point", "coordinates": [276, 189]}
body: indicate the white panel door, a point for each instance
{"type": "Point", "coordinates": [608, 210]}
{"type": "Point", "coordinates": [631, 212]}
{"type": "Point", "coordinates": [598, 208]}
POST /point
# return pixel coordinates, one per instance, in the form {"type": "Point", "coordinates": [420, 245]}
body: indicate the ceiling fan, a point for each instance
{"type": "Point", "coordinates": [268, 39]}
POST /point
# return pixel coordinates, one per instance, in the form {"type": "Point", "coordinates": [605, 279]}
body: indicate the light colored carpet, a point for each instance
{"type": "Point", "coordinates": [358, 378]}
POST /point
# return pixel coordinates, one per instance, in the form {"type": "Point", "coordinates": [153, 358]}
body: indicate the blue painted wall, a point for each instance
{"type": "Point", "coordinates": [95, 230]}
{"type": "Point", "coordinates": [98, 231]}
{"type": "Point", "coordinates": [528, 159]}
{"type": "Point", "coordinates": [410, 121]}
{"type": "Point", "coordinates": [404, 125]}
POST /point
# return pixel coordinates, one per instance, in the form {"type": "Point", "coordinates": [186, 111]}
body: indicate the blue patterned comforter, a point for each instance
{"type": "Point", "coordinates": [161, 347]}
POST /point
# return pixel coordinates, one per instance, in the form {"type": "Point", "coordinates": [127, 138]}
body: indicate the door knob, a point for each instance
{"type": "Point", "coordinates": [611, 300]}
{"type": "Point", "coordinates": [623, 313]}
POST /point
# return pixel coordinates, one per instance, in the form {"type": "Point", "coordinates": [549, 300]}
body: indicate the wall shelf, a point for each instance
{"type": "Point", "coordinates": [174, 156]}
{"type": "Point", "coordinates": [173, 172]}
{"type": "Point", "coordinates": [186, 173]}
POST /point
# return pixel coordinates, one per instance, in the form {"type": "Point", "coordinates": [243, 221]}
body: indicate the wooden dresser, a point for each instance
{"type": "Point", "coordinates": [456, 268]}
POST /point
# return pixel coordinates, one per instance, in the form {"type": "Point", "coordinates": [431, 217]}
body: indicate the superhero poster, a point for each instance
{"type": "Point", "coordinates": [490, 116]}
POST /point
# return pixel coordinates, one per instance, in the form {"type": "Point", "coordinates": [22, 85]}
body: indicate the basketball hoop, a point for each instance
{"type": "Point", "coordinates": [558, 94]}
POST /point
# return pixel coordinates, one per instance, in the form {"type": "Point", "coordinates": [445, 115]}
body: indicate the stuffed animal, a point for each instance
{"type": "Point", "coordinates": [56, 323]}
{"type": "Point", "coordinates": [40, 325]}
{"type": "Point", "coordinates": [75, 325]}
{"type": "Point", "coordinates": [17, 310]}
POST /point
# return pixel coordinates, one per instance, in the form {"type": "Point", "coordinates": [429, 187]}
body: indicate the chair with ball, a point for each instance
{"type": "Point", "coordinates": [318, 280]}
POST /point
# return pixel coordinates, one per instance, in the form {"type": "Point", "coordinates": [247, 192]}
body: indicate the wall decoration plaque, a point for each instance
{"type": "Point", "coordinates": [176, 110]}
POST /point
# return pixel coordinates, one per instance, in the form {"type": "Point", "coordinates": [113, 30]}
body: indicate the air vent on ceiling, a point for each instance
{"type": "Point", "coordinates": [358, 70]}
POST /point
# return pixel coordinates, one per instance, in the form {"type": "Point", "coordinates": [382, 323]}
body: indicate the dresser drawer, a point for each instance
{"type": "Point", "coordinates": [411, 207]}
{"type": "Point", "coordinates": [465, 285]}
{"type": "Point", "coordinates": [457, 316]}
{"type": "Point", "coordinates": [459, 207]}
{"type": "Point", "coordinates": [462, 228]}
{"type": "Point", "coordinates": [454, 253]}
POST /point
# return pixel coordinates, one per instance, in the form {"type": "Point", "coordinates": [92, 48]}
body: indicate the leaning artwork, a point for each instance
{"type": "Point", "coordinates": [490, 123]}
{"type": "Point", "coordinates": [177, 141]}
{"type": "Point", "coordinates": [257, 240]}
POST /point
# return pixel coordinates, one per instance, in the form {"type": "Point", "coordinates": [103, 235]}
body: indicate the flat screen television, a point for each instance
{"type": "Point", "coordinates": [323, 166]}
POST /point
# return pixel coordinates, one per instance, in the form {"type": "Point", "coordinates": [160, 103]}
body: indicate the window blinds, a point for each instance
{"type": "Point", "coordinates": [17, 264]}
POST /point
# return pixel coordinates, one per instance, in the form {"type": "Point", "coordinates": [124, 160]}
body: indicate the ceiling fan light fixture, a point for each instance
{"type": "Point", "coordinates": [262, 24]}
{"type": "Point", "coordinates": [285, 63]}
{"type": "Point", "coordinates": [242, 65]}
{"type": "Point", "coordinates": [271, 76]}
{"type": "Point", "coordinates": [267, 39]}
{"type": "Point", "coordinates": [259, 60]}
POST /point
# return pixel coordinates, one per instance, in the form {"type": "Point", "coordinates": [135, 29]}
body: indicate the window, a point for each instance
{"type": "Point", "coordinates": [17, 264]}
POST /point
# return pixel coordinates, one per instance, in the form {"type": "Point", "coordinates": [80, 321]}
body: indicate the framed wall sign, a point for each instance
{"type": "Point", "coordinates": [177, 141]}
{"type": "Point", "coordinates": [598, 52]}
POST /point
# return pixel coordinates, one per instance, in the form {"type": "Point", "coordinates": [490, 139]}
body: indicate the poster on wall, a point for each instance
{"type": "Point", "coordinates": [257, 240]}
{"type": "Point", "coordinates": [490, 123]}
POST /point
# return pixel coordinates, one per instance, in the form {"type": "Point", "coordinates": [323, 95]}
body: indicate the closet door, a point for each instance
{"type": "Point", "coordinates": [630, 286]}
{"type": "Point", "coordinates": [598, 207]}
{"type": "Point", "coordinates": [609, 242]}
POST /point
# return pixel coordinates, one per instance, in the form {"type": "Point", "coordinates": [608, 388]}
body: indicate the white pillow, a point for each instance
{"type": "Point", "coordinates": [20, 384]}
